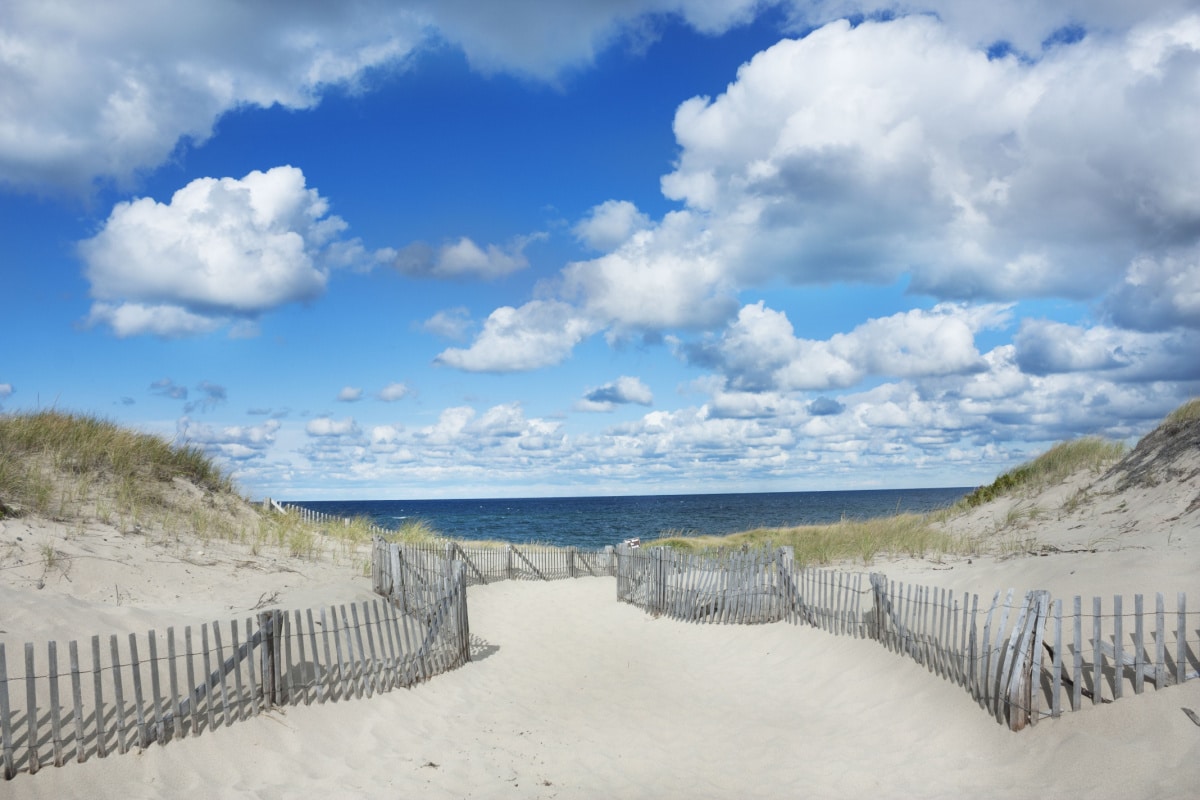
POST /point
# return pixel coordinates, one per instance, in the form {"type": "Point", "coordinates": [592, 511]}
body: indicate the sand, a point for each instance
{"type": "Point", "coordinates": [573, 695]}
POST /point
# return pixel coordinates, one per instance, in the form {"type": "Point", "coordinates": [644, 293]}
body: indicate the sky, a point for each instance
{"type": "Point", "coordinates": [457, 249]}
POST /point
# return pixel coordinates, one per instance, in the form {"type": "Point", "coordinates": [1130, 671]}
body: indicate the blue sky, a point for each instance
{"type": "Point", "coordinates": [466, 249]}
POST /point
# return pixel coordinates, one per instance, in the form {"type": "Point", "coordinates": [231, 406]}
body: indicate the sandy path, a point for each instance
{"type": "Point", "coordinates": [574, 695]}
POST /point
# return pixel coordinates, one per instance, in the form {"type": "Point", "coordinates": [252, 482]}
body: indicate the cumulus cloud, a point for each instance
{"type": "Point", "coordinates": [915, 152]}
{"type": "Point", "coordinates": [220, 249]}
{"type": "Point", "coordinates": [669, 277]}
{"type": "Point", "coordinates": [609, 224]}
{"type": "Point", "coordinates": [110, 98]}
{"type": "Point", "coordinates": [453, 324]}
{"type": "Point", "coordinates": [465, 259]}
{"type": "Point", "coordinates": [235, 442]}
{"type": "Point", "coordinates": [540, 333]}
{"type": "Point", "coordinates": [1044, 347]}
{"type": "Point", "coordinates": [6, 390]}
{"type": "Point", "coordinates": [622, 391]}
{"type": "Point", "coordinates": [350, 394]}
{"type": "Point", "coordinates": [541, 37]}
{"type": "Point", "coordinates": [394, 391]}
{"type": "Point", "coordinates": [327, 427]}
{"type": "Point", "coordinates": [1159, 292]}
{"type": "Point", "coordinates": [912, 153]}
{"type": "Point", "coordinates": [759, 350]}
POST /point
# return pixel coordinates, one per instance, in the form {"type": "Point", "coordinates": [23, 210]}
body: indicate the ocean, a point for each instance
{"type": "Point", "coordinates": [593, 522]}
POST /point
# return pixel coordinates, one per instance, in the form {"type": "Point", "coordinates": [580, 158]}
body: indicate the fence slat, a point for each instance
{"type": "Point", "coordinates": [77, 702]}
{"type": "Point", "coordinates": [173, 679]}
{"type": "Point", "coordinates": [1057, 663]}
{"type": "Point", "coordinates": [250, 662]}
{"type": "Point", "coordinates": [156, 690]}
{"type": "Point", "coordinates": [1097, 653]}
{"type": "Point", "coordinates": [1160, 645]}
{"type": "Point", "coordinates": [118, 696]}
{"type": "Point", "coordinates": [56, 742]}
{"type": "Point", "coordinates": [1139, 656]}
{"type": "Point", "coordinates": [239, 710]}
{"type": "Point", "coordinates": [31, 712]}
{"type": "Point", "coordinates": [98, 694]}
{"type": "Point", "coordinates": [1181, 639]}
{"type": "Point", "coordinates": [135, 668]}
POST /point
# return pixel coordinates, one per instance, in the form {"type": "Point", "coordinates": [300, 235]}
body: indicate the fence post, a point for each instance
{"type": "Point", "coordinates": [571, 561]}
{"type": "Point", "coordinates": [508, 562]}
{"type": "Point", "coordinates": [610, 553]}
{"type": "Point", "coordinates": [787, 563]}
{"type": "Point", "coordinates": [267, 652]}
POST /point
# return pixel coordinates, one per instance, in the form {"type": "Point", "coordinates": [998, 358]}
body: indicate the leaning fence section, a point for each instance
{"type": "Point", "coordinates": [104, 696]}
{"type": "Point", "coordinates": [1020, 657]}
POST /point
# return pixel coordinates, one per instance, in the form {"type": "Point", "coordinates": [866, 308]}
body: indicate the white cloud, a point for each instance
{"type": "Point", "coordinates": [222, 248]}
{"type": "Point", "coordinates": [1044, 347]}
{"type": "Point", "coordinates": [326, 426]}
{"type": "Point", "coordinates": [866, 153]}
{"type": "Point", "coordinates": [136, 319]}
{"type": "Point", "coordinates": [465, 259]}
{"type": "Point", "coordinates": [6, 390]}
{"type": "Point", "coordinates": [87, 97]}
{"type": "Point", "coordinates": [540, 333]}
{"type": "Point", "coordinates": [1159, 292]}
{"type": "Point", "coordinates": [668, 277]}
{"type": "Point", "coordinates": [542, 37]}
{"type": "Point", "coordinates": [913, 152]}
{"type": "Point", "coordinates": [394, 391]}
{"type": "Point", "coordinates": [453, 324]}
{"type": "Point", "coordinates": [623, 390]}
{"type": "Point", "coordinates": [235, 442]}
{"type": "Point", "coordinates": [350, 394]}
{"type": "Point", "coordinates": [609, 224]}
{"type": "Point", "coordinates": [1023, 24]}
{"type": "Point", "coordinates": [759, 351]}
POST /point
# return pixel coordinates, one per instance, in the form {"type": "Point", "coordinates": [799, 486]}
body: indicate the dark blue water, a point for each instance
{"type": "Point", "coordinates": [598, 521]}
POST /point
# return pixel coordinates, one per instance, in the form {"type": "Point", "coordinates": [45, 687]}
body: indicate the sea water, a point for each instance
{"type": "Point", "coordinates": [593, 522]}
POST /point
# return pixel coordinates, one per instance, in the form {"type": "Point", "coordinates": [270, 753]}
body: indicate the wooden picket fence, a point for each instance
{"type": "Point", "coordinates": [158, 687]}
{"type": "Point", "coordinates": [390, 562]}
{"type": "Point", "coordinates": [1020, 661]}
{"type": "Point", "coordinates": [315, 517]}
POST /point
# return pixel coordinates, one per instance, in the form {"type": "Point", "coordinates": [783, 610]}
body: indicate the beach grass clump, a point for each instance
{"type": "Point", "coordinates": [1055, 465]}
{"type": "Point", "coordinates": [54, 460]}
{"type": "Point", "coordinates": [1187, 412]}
{"type": "Point", "coordinates": [864, 540]}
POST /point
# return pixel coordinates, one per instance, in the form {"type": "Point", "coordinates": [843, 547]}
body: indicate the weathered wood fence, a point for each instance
{"type": "Point", "coordinates": [316, 517]}
{"type": "Point", "coordinates": [1019, 659]}
{"type": "Point", "coordinates": [390, 562]}
{"type": "Point", "coordinates": [109, 696]}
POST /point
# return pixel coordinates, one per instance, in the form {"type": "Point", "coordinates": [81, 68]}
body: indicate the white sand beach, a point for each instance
{"type": "Point", "coordinates": [572, 695]}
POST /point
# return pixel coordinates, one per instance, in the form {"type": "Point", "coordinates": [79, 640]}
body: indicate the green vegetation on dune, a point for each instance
{"type": "Point", "coordinates": [1185, 413]}
{"type": "Point", "coordinates": [50, 459]}
{"type": "Point", "coordinates": [848, 540]}
{"type": "Point", "coordinates": [1055, 465]}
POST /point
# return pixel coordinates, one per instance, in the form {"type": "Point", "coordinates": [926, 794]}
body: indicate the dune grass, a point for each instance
{"type": "Point", "coordinates": [864, 540]}
{"type": "Point", "coordinates": [52, 461]}
{"type": "Point", "coordinates": [921, 535]}
{"type": "Point", "coordinates": [1055, 465]}
{"type": "Point", "coordinates": [1187, 412]}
